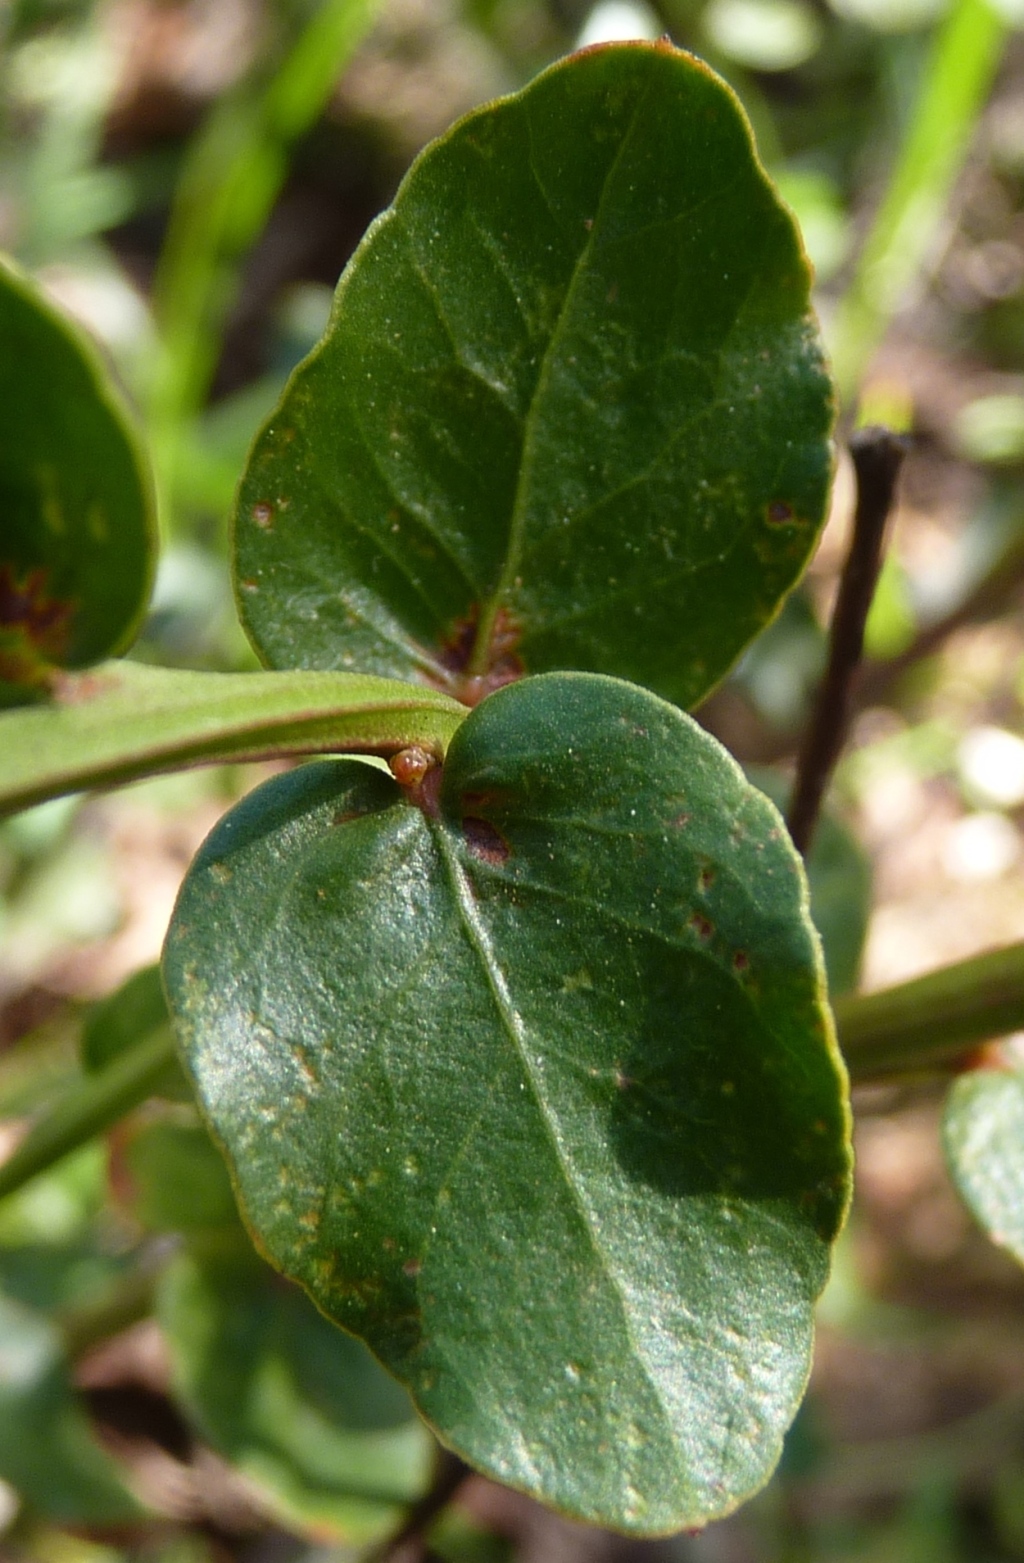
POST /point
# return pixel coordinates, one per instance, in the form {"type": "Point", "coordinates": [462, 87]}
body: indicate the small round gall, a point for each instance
{"type": "Point", "coordinates": [409, 766]}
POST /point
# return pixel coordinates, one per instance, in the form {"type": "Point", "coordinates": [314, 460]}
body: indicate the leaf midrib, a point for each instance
{"type": "Point", "coordinates": [479, 657]}
{"type": "Point", "coordinates": [480, 942]}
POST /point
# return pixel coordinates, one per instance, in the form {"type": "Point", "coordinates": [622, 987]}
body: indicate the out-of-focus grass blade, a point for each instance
{"type": "Point", "coordinates": [964, 57]}
{"type": "Point", "coordinates": [228, 186]}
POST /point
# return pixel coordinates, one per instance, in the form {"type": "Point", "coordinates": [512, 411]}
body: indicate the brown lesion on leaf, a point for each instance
{"type": "Point", "coordinates": [34, 627]}
{"type": "Point", "coordinates": [502, 664]}
{"type": "Point", "coordinates": [484, 841]}
{"type": "Point", "coordinates": [779, 513]}
{"type": "Point", "coordinates": [483, 800]}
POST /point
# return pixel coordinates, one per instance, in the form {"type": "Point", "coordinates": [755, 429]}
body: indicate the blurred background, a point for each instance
{"type": "Point", "coordinates": [188, 178]}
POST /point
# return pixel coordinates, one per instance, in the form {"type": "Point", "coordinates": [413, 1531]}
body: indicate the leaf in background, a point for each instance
{"type": "Point", "coordinates": [172, 1176]}
{"type": "Point", "coordinates": [118, 1023]}
{"type": "Point", "coordinates": [533, 1088]}
{"type": "Point", "coordinates": [303, 1411]}
{"type": "Point", "coordinates": [983, 1136]}
{"type": "Point", "coordinates": [328, 1438]}
{"type": "Point", "coordinates": [47, 1450]}
{"type": "Point", "coordinates": [571, 410]}
{"type": "Point", "coordinates": [839, 876]}
{"type": "Point", "coordinates": [78, 540]}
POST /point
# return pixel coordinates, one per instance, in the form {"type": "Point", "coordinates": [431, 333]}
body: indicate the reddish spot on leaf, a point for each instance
{"type": "Point", "coordinates": [33, 626]}
{"type": "Point", "coordinates": [706, 877]}
{"type": "Point", "coordinates": [77, 689]}
{"type": "Point", "coordinates": [504, 666]}
{"type": "Point", "coordinates": [412, 1267]}
{"type": "Point", "coordinates": [779, 513]}
{"type": "Point", "coordinates": [482, 802]}
{"type": "Point", "coordinates": [986, 1055]}
{"type": "Point", "coordinates": [484, 841]}
{"type": "Point", "coordinates": [741, 961]}
{"type": "Point", "coordinates": [702, 926]}
{"type": "Point", "coordinates": [263, 515]}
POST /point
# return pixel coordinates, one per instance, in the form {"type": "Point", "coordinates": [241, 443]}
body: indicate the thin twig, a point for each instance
{"type": "Point", "coordinates": [877, 457]}
{"type": "Point", "coordinates": [408, 1544]}
{"type": "Point", "coordinates": [996, 592]}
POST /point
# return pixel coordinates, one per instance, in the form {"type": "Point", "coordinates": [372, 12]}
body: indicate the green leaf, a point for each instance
{"type": "Point", "coordinates": [533, 1087]}
{"type": "Point", "coordinates": [839, 877]}
{"type": "Point", "coordinates": [301, 1409]}
{"type": "Point", "coordinates": [570, 411]}
{"type": "Point", "coordinates": [117, 1024]}
{"type": "Point", "coordinates": [47, 1450]}
{"type": "Point", "coordinates": [983, 1136]}
{"type": "Point", "coordinates": [174, 1176]}
{"type": "Point", "coordinates": [123, 721]}
{"type": "Point", "coordinates": [78, 540]}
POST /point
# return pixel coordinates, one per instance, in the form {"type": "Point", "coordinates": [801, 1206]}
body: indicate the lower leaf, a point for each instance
{"type": "Point", "coordinates": [525, 1072]}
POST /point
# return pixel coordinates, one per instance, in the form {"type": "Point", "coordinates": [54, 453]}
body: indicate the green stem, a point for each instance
{"type": "Point", "coordinates": [89, 1107]}
{"type": "Point", "coordinates": [122, 721]}
{"type": "Point", "coordinates": [930, 1023]}
{"type": "Point", "coordinates": [908, 223]}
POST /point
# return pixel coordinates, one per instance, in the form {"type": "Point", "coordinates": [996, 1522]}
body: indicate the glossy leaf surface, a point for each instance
{"type": "Point", "coordinates": [78, 539]}
{"type": "Point", "coordinates": [983, 1134]}
{"type": "Point", "coordinates": [122, 721]}
{"type": "Point", "coordinates": [47, 1449]}
{"type": "Point", "coordinates": [570, 410]}
{"type": "Point", "coordinates": [303, 1411]}
{"type": "Point", "coordinates": [531, 1085]}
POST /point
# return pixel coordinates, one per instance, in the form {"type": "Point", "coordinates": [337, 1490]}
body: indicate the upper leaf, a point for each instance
{"type": "Point", "coordinates": [570, 411]}
{"type": "Point", "coordinates": [78, 540]}
{"type": "Point", "coordinates": [533, 1087]}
